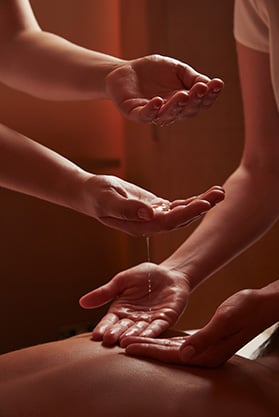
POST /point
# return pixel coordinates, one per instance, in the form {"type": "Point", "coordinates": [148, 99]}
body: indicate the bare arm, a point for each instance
{"type": "Point", "coordinates": [30, 168]}
{"type": "Point", "coordinates": [44, 64]}
{"type": "Point", "coordinates": [251, 206]}
{"type": "Point", "coordinates": [148, 89]}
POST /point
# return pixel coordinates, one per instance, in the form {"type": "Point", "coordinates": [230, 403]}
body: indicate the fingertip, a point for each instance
{"type": "Point", "coordinates": [96, 336]}
{"type": "Point", "coordinates": [109, 338]}
{"type": "Point", "coordinates": [156, 102]}
{"type": "Point", "coordinates": [83, 302]}
{"type": "Point", "coordinates": [149, 112]}
{"type": "Point", "coordinates": [216, 85]}
{"type": "Point", "coordinates": [132, 349]}
{"type": "Point", "coordinates": [187, 352]}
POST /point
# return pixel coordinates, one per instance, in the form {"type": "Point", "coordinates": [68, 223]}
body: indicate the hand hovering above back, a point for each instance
{"type": "Point", "coordinates": [161, 90]}
{"type": "Point", "coordinates": [134, 309]}
{"type": "Point", "coordinates": [131, 209]}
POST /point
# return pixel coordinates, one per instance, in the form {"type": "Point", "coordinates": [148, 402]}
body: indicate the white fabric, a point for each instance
{"type": "Point", "coordinates": [256, 25]}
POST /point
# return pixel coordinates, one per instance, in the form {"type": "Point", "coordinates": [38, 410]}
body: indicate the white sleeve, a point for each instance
{"type": "Point", "coordinates": [250, 24]}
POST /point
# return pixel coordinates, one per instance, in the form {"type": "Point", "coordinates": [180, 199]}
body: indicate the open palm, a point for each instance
{"type": "Point", "coordinates": [161, 90]}
{"type": "Point", "coordinates": [135, 311]}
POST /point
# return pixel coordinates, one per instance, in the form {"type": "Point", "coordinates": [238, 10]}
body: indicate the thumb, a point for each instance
{"type": "Point", "coordinates": [99, 296]}
{"type": "Point", "coordinates": [132, 210]}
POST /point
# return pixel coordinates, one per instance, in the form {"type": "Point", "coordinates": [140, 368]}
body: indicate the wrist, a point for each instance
{"type": "Point", "coordinates": [181, 269]}
{"type": "Point", "coordinates": [80, 199]}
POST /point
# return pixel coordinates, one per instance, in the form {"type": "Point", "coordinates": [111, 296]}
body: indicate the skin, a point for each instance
{"type": "Point", "coordinates": [251, 187]}
{"type": "Point", "coordinates": [49, 67]}
{"type": "Point", "coordinates": [79, 377]}
{"type": "Point", "coordinates": [53, 68]}
{"type": "Point", "coordinates": [232, 320]}
{"type": "Point", "coordinates": [112, 201]}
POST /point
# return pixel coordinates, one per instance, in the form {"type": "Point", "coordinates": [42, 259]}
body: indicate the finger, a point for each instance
{"type": "Point", "coordinates": [135, 330]}
{"type": "Point", "coordinates": [201, 96]}
{"type": "Point", "coordinates": [142, 110]}
{"type": "Point", "coordinates": [128, 340]}
{"type": "Point", "coordinates": [213, 195]}
{"type": "Point", "coordinates": [194, 207]}
{"type": "Point", "coordinates": [158, 352]}
{"type": "Point", "coordinates": [177, 107]}
{"type": "Point", "coordinates": [183, 215]}
{"type": "Point", "coordinates": [149, 112]}
{"type": "Point", "coordinates": [155, 328]}
{"type": "Point", "coordinates": [178, 216]}
{"type": "Point", "coordinates": [101, 295]}
{"type": "Point", "coordinates": [182, 202]}
{"type": "Point", "coordinates": [106, 323]}
{"type": "Point", "coordinates": [203, 338]}
{"type": "Point", "coordinates": [124, 208]}
{"type": "Point", "coordinates": [213, 355]}
{"type": "Point", "coordinates": [162, 342]}
{"type": "Point", "coordinates": [198, 345]}
{"type": "Point", "coordinates": [162, 221]}
{"type": "Point", "coordinates": [189, 76]}
{"type": "Point", "coordinates": [215, 87]}
{"type": "Point", "coordinates": [112, 335]}
{"type": "Point", "coordinates": [172, 107]}
{"type": "Point", "coordinates": [132, 107]}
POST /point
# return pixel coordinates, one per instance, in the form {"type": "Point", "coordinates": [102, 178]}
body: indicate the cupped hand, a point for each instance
{"type": "Point", "coordinates": [161, 90]}
{"type": "Point", "coordinates": [134, 309]}
{"type": "Point", "coordinates": [131, 209]}
{"type": "Point", "coordinates": [236, 321]}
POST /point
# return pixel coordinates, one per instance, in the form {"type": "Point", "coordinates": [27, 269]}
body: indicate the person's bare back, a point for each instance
{"type": "Point", "coordinates": [78, 377]}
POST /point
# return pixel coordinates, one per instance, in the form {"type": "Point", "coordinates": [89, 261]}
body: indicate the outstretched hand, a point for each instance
{"type": "Point", "coordinates": [161, 90]}
{"type": "Point", "coordinates": [233, 325]}
{"type": "Point", "coordinates": [131, 209]}
{"type": "Point", "coordinates": [134, 309]}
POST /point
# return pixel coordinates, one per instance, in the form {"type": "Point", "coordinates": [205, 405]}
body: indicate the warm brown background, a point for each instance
{"type": "Point", "coordinates": [50, 255]}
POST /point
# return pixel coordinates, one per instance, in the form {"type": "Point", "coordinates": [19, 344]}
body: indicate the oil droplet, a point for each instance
{"type": "Point", "coordinates": [149, 282]}
{"type": "Point", "coordinates": [160, 206]}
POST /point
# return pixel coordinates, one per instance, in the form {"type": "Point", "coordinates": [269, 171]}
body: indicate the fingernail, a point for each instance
{"type": "Point", "coordinates": [187, 352]}
{"type": "Point", "coordinates": [201, 94]}
{"type": "Point", "coordinates": [144, 214]}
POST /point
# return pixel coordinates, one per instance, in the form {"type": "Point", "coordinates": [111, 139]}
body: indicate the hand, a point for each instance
{"type": "Point", "coordinates": [234, 324]}
{"type": "Point", "coordinates": [131, 209]}
{"type": "Point", "coordinates": [135, 310]}
{"type": "Point", "coordinates": [160, 90]}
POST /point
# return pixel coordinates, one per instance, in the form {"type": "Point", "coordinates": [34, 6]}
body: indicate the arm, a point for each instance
{"type": "Point", "coordinates": [33, 169]}
{"type": "Point", "coordinates": [251, 206]}
{"type": "Point", "coordinates": [48, 66]}
{"type": "Point", "coordinates": [232, 326]}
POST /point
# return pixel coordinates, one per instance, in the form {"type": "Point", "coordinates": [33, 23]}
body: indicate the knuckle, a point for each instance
{"type": "Point", "coordinates": [248, 296]}
{"type": "Point", "coordinates": [226, 314]}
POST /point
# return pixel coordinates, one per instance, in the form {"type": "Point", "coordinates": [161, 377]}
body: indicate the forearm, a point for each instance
{"type": "Point", "coordinates": [48, 66]}
{"type": "Point", "coordinates": [30, 168]}
{"type": "Point", "coordinates": [250, 208]}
